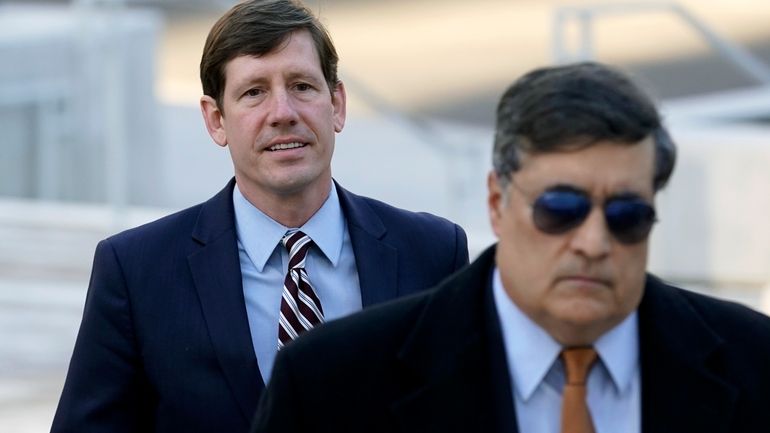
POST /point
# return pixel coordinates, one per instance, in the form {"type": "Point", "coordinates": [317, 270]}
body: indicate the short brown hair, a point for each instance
{"type": "Point", "coordinates": [255, 28]}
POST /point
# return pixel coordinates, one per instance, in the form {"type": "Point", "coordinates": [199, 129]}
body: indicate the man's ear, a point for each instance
{"type": "Point", "coordinates": [339, 101]}
{"type": "Point", "coordinates": [495, 201]}
{"type": "Point", "coordinates": [213, 117]}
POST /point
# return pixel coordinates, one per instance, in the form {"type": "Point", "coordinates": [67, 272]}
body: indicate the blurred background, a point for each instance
{"type": "Point", "coordinates": [100, 130]}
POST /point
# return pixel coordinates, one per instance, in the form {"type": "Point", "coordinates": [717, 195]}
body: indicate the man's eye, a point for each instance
{"type": "Point", "coordinates": [303, 87]}
{"type": "Point", "coordinates": [253, 92]}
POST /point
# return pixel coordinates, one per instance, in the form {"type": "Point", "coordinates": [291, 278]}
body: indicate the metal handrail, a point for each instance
{"type": "Point", "coordinates": [585, 16]}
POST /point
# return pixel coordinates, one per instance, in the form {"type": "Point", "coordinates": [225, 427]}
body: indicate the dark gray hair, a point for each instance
{"type": "Point", "coordinates": [573, 106]}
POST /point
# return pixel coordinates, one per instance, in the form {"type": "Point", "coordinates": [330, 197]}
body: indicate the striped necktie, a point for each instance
{"type": "Point", "coordinates": [300, 307]}
{"type": "Point", "coordinates": [575, 417]}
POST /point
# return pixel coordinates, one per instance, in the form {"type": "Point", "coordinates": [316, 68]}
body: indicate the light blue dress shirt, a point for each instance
{"type": "Point", "coordinates": [330, 264]}
{"type": "Point", "coordinates": [537, 373]}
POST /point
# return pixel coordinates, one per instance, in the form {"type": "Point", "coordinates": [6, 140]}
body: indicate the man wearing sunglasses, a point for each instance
{"type": "Point", "coordinates": [557, 328]}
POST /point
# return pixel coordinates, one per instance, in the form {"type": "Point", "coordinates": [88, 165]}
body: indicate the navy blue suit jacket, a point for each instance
{"type": "Point", "coordinates": [164, 344]}
{"type": "Point", "coordinates": [435, 362]}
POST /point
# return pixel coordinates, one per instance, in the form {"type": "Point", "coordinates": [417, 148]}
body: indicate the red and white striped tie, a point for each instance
{"type": "Point", "coordinates": [300, 307]}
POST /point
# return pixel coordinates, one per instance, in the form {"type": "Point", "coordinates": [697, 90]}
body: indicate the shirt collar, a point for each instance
{"type": "Point", "coordinates": [327, 227]}
{"type": "Point", "coordinates": [618, 349]}
{"type": "Point", "coordinates": [259, 234]}
{"type": "Point", "coordinates": [531, 351]}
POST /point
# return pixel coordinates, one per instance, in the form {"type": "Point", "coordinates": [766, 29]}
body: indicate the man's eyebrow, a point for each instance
{"type": "Point", "coordinates": [243, 84]}
{"type": "Point", "coordinates": [625, 193]}
{"type": "Point", "coordinates": [561, 186]}
{"type": "Point", "coordinates": [260, 80]}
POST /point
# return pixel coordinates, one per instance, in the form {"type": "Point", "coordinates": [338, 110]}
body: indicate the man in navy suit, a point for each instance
{"type": "Point", "coordinates": [557, 328]}
{"type": "Point", "coordinates": [181, 322]}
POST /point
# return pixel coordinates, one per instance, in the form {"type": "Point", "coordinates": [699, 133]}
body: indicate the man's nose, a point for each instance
{"type": "Point", "coordinates": [592, 238]}
{"type": "Point", "coordinates": [282, 109]}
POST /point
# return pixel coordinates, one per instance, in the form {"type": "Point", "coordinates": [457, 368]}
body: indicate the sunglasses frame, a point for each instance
{"type": "Point", "coordinates": [638, 231]}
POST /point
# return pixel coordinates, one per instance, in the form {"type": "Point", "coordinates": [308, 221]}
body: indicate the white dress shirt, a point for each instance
{"type": "Point", "coordinates": [537, 373]}
{"type": "Point", "coordinates": [330, 264]}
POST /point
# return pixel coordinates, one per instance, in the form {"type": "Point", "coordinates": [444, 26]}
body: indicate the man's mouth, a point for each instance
{"type": "Point", "coordinates": [285, 146]}
{"type": "Point", "coordinates": [585, 279]}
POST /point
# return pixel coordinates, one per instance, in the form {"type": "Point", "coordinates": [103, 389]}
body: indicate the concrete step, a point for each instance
{"type": "Point", "coordinates": [56, 240]}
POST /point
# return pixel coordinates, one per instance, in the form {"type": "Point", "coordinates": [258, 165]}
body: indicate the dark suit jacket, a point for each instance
{"type": "Point", "coordinates": [165, 345]}
{"type": "Point", "coordinates": [435, 362]}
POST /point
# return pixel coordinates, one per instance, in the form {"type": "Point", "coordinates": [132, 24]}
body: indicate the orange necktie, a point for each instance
{"type": "Point", "coordinates": [575, 417]}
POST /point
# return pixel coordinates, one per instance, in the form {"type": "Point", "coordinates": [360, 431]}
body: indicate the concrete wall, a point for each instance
{"type": "Point", "coordinates": [77, 102]}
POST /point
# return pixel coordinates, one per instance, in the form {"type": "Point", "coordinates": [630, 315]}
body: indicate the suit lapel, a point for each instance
{"type": "Point", "coordinates": [376, 262]}
{"type": "Point", "coordinates": [455, 361]}
{"type": "Point", "coordinates": [681, 388]}
{"type": "Point", "coordinates": [215, 268]}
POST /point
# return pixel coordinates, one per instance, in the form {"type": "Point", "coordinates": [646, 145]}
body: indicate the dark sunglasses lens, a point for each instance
{"type": "Point", "coordinates": [559, 211]}
{"type": "Point", "coordinates": [629, 220]}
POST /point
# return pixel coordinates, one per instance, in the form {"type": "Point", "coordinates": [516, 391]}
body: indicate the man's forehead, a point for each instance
{"type": "Point", "coordinates": [247, 68]}
{"type": "Point", "coordinates": [604, 165]}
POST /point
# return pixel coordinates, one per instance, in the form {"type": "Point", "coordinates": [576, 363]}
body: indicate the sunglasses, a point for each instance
{"type": "Point", "coordinates": [558, 210]}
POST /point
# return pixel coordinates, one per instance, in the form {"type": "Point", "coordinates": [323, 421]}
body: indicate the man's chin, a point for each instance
{"type": "Point", "coordinates": [300, 183]}
{"type": "Point", "coordinates": [582, 322]}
